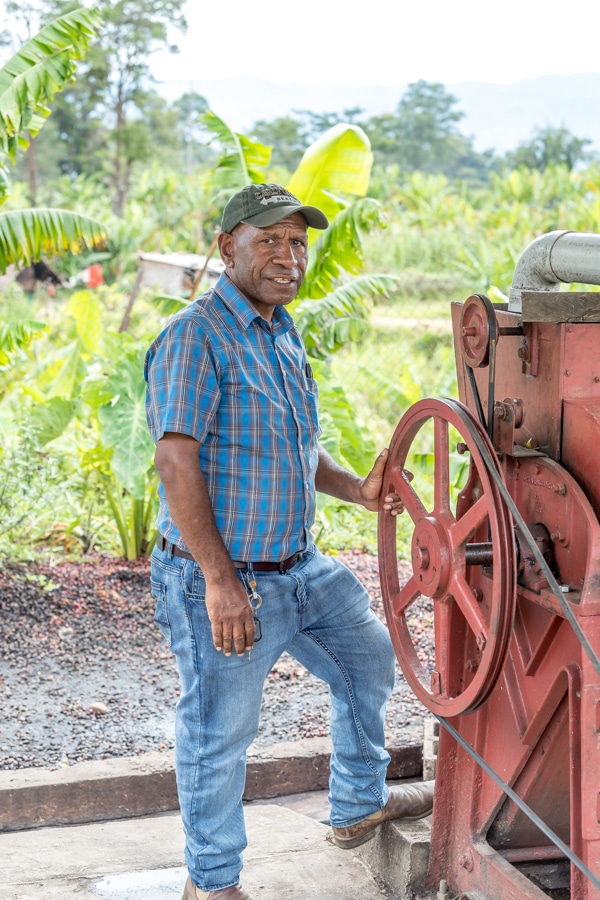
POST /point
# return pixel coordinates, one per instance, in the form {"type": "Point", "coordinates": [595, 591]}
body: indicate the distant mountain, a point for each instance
{"type": "Point", "coordinates": [498, 116]}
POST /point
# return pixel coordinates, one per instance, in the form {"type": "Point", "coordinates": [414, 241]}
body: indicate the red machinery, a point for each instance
{"type": "Point", "coordinates": [508, 568]}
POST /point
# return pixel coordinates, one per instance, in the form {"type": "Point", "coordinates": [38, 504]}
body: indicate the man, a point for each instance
{"type": "Point", "coordinates": [232, 406]}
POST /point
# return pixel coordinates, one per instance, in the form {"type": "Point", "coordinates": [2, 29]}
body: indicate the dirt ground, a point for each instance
{"type": "Point", "coordinates": [85, 673]}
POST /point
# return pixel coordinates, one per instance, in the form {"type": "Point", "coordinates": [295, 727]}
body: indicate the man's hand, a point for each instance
{"type": "Point", "coordinates": [372, 485]}
{"type": "Point", "coordinates": [231, 618]}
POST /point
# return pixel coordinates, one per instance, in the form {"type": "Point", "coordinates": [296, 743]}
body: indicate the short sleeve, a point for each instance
{"type": "Point", "coordinates": [182, 382]}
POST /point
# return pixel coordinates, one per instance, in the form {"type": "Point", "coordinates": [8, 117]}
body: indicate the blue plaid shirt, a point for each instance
{"type": "Point", "coordinates": [244, 390]}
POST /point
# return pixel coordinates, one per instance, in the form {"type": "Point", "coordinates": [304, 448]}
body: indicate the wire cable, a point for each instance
{"type": "Point", "coordinates": [554, 838]}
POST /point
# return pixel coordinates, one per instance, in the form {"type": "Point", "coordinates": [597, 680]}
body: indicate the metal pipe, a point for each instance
{"type": "Point", "coordinates": [554, 257]}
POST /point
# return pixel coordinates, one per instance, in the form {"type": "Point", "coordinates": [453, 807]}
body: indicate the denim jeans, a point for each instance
{"type": "Point", "coordinates": [319, 612]}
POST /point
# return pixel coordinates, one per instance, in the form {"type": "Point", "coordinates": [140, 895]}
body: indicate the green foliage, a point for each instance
{"type": "Point", "coordinates": [122, 419]}
{"type": "Point", "coordinates": [16, 335]}
{"type": "Point", "coordinates": [286, 136]}
{"type": "Point", "coordinates": [242, 161]}
{"type": "Point", "coordinates": [32, 486]}
{"type": "Point", "coordinates": [339, 248]}
{"type": "Point", "coordinates": [50, 418]}
{"type": "Point", "coordinates": [31, 78]}
{"type": "Point", "coordinates": [336, 166]}
{"type": "Point", "coordinates": [27, 235]}
{"type": "Point", "coordinates": [28, 82]}
{"type": "Point", "coordinates": [550, 147]}
{"type": "Point", "coordinates": [342, 316]}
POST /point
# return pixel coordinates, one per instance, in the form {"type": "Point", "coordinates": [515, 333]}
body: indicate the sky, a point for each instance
{"type": "Point", "coordinates": [384, 42]}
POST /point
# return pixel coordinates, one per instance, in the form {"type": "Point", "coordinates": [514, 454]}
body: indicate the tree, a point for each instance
{"type": "Point", "coordinates": [286, 135]}
{"type": "Point", "coordinates": [189, 109]}
{"type": "Point", "coordinates": [422, 135]}
{"type": "Point", "coordinates": [317, 124]}
{"type": "Point", "coordinates": [28, 82]}
{"type": "Point", "coordinates": [550, 147]}
{"type": "Point", "coordinates": [104, 115]}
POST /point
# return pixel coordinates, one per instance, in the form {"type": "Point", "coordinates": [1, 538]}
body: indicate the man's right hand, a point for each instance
{"type": "Point", "coordinates": [231, 617]}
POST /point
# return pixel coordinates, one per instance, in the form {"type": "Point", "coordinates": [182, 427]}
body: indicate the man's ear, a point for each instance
{"type": "Point", "coordinates": [226, 243]}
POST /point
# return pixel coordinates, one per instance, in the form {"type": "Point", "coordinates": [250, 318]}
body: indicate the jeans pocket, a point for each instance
{"type": "Point", "coordinates": [161, 616]}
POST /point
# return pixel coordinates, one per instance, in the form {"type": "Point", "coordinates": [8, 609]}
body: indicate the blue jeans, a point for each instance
{"type": "Point", "coordinates": [320, 613]}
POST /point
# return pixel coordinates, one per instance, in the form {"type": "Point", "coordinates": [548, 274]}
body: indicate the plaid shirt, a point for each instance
{"type": "Point", "coordinates": [244, 390]}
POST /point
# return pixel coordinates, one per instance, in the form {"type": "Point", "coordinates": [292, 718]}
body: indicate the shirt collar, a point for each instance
{"type": "Point", "coordinates": [243, 310]}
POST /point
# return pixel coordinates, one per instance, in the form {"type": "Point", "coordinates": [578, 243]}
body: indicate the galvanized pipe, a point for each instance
{"type": "Point", "coordinates": [558, 256]}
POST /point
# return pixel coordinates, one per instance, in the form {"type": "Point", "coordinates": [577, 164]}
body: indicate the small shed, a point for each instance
{"type": "Point", "coordinates": [175, 273]}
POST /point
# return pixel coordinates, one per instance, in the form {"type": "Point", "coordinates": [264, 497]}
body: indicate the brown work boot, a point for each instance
{"type": "Point", "coordinates": [235, 892]}
{"type": "Point", "coordinates": [410, 802]}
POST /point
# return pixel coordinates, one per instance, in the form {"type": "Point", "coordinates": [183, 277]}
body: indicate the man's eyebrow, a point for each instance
{"type": "Point", "coordinates": [274, 232]}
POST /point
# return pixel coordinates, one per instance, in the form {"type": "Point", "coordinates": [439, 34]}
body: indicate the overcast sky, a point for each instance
{"type": "Point", "coordinates": [393, 42]}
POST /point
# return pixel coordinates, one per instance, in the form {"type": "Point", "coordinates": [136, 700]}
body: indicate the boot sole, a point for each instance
{"type": "Point", "coordinates": [360, 839]}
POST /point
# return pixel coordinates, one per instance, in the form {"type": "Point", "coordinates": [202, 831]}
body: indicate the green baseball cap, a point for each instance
{"type": "Point", "coordinates": [265, 204]}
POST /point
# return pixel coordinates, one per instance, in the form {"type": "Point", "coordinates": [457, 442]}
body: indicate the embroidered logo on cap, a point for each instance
{"type": "Point", "coordinates": [274, 194]}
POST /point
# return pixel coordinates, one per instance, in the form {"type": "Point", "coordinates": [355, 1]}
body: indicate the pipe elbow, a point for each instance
{"type": "Point", "coordinates": [534, 269]}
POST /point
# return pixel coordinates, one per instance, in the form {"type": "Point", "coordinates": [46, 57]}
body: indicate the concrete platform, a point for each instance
{"type": "Point", "coordinates": [144, 785]}
{"type": "Point", "coordinates": [287, 858]}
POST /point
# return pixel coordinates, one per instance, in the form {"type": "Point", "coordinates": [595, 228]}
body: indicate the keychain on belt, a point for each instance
{"type": "Point", "coordinates": [255, 601]}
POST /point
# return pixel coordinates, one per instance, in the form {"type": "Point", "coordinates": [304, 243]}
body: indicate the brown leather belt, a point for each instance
{"type": "Point", "coordinates": [282, 567]}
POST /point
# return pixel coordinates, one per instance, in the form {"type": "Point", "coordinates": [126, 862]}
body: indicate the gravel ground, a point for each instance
{"type": "Point", "coordinates": [85, 674]}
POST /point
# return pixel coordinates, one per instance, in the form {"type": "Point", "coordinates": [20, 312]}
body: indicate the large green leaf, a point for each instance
{"type": "Point", "coordinates": [16, 335]}
{"type": "Point", "coordinates": [71, 372]}
{"type": "Point", "coordinates": [242, 161]}
{"type": "Point", "coordinates": [50, 419]}
{"type": "Point", "coordinates": [341, 317]}
{"type": "Point", "coordinates": [29, 80]}
{"type": "Point", "coordinates": [168, 305]}
{"type": "Point", "coordinates": [28, 234]}
{"type": "Point", "coordinates": [337, 166]}
{"type": "Point", "coordinates": [85, 309]}
{"type": "Point", "coordinates": [339, 248]}
{"type": "Point", "coordinates": [123, 424]}
{"type": "Point", "coordinates": [342, 436]}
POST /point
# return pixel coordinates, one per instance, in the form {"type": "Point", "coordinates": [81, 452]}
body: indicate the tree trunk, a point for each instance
{"type": "Point", "coordinates": [32, 171]}
{"type": "Point", "coordinates": [118, 178]}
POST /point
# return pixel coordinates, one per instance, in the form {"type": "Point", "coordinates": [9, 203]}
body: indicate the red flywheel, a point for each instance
{"type": "Point", "coordinates": [463, 565]}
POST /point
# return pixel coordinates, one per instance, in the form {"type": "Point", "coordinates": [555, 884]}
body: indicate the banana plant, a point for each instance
{"type": "Point", "coordinates": [28, 82]}
{"type": "Point", "coordinates": [242, 160]}
{"type": "Point", "coordinates": [117, 402]}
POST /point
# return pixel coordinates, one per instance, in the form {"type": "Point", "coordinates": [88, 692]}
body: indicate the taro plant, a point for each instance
{"type": "Point", "coordinates": [87, 394]}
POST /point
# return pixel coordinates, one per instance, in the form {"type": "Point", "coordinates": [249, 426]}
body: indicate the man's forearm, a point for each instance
{"type": "Point", "coordinates": [226, 599]}
{"type": "Point", "coordinates": [333, 479]}
{"type": "Point", "coordinates": [191, 508]}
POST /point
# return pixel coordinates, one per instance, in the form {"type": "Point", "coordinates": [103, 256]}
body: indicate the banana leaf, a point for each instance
{"type": "Point", "coordinates": [337, 166]}
{"type": "Point", "coordinates": [44, 64]}
{"type": "Point", "coordinates": [28, 234]}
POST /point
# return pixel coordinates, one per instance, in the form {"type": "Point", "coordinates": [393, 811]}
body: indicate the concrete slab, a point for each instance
{"type": "Point", "coordinates": [287, 859]}
{"type": "Point", "coordinates": [398, 855]}
{"type": "Point", "coordinates": [144, 785]}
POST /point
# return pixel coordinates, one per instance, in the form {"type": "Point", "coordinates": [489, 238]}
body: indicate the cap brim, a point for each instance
{"type": "Point", "coordinates": [314, 217]}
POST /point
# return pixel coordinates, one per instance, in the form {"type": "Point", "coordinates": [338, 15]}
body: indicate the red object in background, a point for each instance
{"type": "Point", "coordinates": [95, 277]}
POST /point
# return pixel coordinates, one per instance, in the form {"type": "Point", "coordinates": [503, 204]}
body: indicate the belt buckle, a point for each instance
{"type": "Point", "coordinates": [282, 568]}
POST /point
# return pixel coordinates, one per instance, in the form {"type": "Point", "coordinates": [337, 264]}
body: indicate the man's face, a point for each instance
{"type": "Point", "coordinates": [267, 264]}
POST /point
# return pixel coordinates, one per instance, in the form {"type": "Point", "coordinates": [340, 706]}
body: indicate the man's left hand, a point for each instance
{"type": "Point", "coordinates": [372, 486]}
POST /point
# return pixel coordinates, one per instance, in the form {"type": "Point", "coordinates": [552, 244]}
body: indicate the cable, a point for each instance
{"type": "Point", "coordinates": [520, 803]}
{"type": "Point", "coordinates": [552, 582]}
